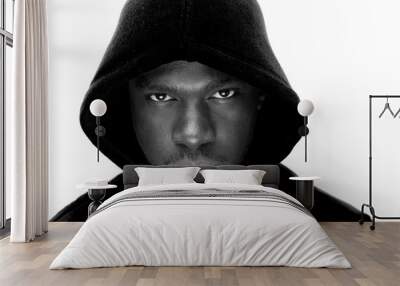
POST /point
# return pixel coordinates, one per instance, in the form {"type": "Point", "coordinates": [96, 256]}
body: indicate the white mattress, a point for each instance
{"type": "Point", "coordinates": [200, 231]}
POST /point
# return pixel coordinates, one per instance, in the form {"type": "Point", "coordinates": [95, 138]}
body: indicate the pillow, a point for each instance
{"type": "Point", "coordinates": [162, 176]}
{"type": "Point", "coordinates": [248, 177]}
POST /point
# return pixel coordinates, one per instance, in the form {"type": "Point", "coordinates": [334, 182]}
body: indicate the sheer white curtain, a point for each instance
{"type": "Point", "coordinates": [27, 162]}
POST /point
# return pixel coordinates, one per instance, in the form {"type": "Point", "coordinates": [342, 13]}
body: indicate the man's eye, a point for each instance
{"type": "Point", "coordinates": [160, 97]}
{"type": "Point", "coordinates": [224, 94]}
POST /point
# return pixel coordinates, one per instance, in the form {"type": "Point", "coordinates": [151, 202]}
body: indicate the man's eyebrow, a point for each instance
{"type": "Point", "coordinates": [144, 82]}
{"type": "Point", "coordinates": [221, 81]}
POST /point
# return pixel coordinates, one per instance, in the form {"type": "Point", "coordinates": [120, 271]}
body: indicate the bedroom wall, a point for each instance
{"type": "Point", "coordinates": [334, 53]}
{"type": "Point", "coordinates": [78, 34]}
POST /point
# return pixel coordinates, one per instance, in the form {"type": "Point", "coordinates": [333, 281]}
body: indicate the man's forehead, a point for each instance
{"type": "Point", "coordinates": [181, 71]}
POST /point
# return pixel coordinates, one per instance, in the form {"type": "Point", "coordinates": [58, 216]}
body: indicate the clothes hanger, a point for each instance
{"type": "Point", "coordinates": [397, 113]}
{"type": "Point", "coordinates": [387, 107]}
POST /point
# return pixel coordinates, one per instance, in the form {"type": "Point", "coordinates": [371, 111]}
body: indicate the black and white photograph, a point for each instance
{"type": "Point", "coordinates": [199, 142]}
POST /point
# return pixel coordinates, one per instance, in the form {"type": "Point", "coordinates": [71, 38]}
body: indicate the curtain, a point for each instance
{"type": "Point", "coordinates": [27, 162]}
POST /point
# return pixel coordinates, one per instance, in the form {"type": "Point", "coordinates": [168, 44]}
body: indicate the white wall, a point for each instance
{"type": "Point", "coordinates": [335, 53]}
{"type": "Point", "coordinates": [79, 31]}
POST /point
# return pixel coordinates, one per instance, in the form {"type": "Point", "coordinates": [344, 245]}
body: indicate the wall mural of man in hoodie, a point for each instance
{"type": "Point", "coordinates": [195, 82]}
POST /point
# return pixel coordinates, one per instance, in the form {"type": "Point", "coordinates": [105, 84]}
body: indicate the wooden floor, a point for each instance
{"type": "Point", "coordinates": [375, 256]}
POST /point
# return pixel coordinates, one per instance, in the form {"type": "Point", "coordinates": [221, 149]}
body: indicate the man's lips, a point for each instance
{"type": "Point", "coordinates": [196, 162]}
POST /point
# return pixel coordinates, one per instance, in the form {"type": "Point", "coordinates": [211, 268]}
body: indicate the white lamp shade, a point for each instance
{"type": "Point", "coordinates": [305, 107]}
{"type": "Point", "coordinates": [98, 107]}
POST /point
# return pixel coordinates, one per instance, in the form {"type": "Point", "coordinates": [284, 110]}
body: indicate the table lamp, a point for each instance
{"type": "Point", "coordinates": [305, 108]}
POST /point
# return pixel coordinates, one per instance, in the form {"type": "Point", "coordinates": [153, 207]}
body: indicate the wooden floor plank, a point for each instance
{"type": "Point", "coordinates": [374, 255]}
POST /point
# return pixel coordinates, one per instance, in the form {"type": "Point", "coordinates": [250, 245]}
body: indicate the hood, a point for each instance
{"type": "Point", "coordinates": [227, 35]}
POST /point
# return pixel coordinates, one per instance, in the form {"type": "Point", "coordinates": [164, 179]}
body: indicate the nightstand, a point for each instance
{"type": "Point", "coordinates": [96, 194]}
{"type": "Point", "coordinates": [305, 190]}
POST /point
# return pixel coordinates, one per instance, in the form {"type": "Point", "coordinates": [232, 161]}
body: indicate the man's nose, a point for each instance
{"type": "Point", "coordinates": [193, 127]}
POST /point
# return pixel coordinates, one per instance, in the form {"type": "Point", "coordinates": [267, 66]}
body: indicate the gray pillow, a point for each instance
{"type": "Point", "coordinates": [162, 176]}
{"type": "Point", "coordinates": [247, 177]}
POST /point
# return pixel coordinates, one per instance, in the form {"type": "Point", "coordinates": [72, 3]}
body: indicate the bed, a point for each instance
{"type": "Point", "coordinates": [201, 224]}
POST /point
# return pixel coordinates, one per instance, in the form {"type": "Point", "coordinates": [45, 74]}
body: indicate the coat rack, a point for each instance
{"type": "Point", "coordinates": [394, 115]}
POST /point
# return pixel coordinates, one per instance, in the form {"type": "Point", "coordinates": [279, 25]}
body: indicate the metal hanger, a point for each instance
{"type": "Point", "coordinates": [387, 107]}
{"type": "Point", "coordinates": [397, 113]}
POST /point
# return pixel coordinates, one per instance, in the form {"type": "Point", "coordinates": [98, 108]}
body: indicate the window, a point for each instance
{"type": "Point", "coordinates": [6, 44]}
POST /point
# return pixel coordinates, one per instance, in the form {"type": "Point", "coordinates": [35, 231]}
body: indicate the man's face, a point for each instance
{"type": "Point", "coordinates": [186, 113]}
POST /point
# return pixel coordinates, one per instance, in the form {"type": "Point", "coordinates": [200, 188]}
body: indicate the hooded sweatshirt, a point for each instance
{"type": "Point", "coordinates": [227, 35]}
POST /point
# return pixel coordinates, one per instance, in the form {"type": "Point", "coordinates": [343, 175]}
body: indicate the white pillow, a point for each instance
{"type": "Point", "coordinates": [162, 176]}
{"type": "Point", "coordinates": [248, 177]}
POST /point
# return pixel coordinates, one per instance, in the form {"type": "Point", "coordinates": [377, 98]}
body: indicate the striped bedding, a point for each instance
{"type": "Point", "coordinates": [201, 225]}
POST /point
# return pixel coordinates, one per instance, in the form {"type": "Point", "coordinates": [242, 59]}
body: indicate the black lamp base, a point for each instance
{"type": "Point", "coordinates": [99, 131]}
{"type": "Point", "coordinates": [303, 130]}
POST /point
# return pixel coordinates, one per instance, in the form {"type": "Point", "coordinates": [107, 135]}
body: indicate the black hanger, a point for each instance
{"type": "Point", "coordinates": [397, 113]}
{"type": "Point", "coordinates": [387, 107]}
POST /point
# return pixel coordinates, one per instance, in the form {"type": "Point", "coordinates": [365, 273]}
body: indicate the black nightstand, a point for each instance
{"type": "Point", "coordinates": [305, 190]}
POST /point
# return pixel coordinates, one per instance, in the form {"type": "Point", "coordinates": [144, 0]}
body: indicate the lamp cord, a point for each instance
{"type": "Point", "coordinates": [97, 135]}
{"type": "Point", "coordinates": [305, 138]}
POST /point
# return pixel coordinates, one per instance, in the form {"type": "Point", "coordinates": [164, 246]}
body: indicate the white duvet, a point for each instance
{"type": "Point", "coordinates": [200, 231]}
